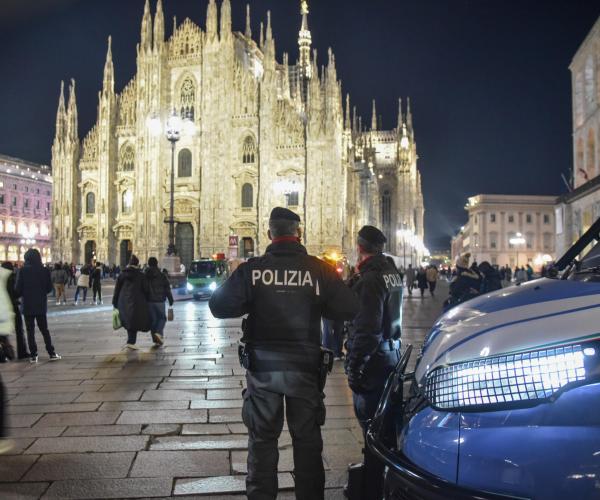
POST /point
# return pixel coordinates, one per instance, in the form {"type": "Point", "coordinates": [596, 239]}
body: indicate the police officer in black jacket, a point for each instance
{"type": "Point", "coordinates": [285, 293]}
{"type": "Point", "coordinates": [373, 344]}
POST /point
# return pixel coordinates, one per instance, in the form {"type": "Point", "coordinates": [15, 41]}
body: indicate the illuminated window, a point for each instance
{"type": "Point", "coordinates": [187, 99]}
{"type": "Point", "coordinates": [127, 201]}
{"type": "Point", "coordinates": [247, 196]}
{"type": "Point", "coordinates": [1, 226]}
{"type": "Point", "coordinates": [10, 227]}
{"type": "Point", "coordinates": [33, 229]}
{"type": "Point", "coordinates": [127, 160]}
{"type": "Point", "coordinates": [90, 203]}
{"type": "Point", "coordinates": [22, 229]}
{"type": "Point", "coordinates": [44, 230]}
{"type": "Point", "coordinates": [248, 150]}
{"type": "Point", "coordinates": [184, 163]}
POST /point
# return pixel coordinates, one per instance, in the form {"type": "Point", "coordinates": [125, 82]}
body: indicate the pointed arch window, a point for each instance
{"type": "Point", "coordinates": [90, 203]}
{"type": "Point", "coordinates": [127, 201]}
{"type": "Point", "coordinates": [187, 99]}
{"type": "Point", "coordinates": [127, 160]}
{"type": "Point", "coordinates": [184, 163]}
{"type": "Point", "coordinates": [249, 150]}
{"type": "Point", "coordinates": [247, 196]}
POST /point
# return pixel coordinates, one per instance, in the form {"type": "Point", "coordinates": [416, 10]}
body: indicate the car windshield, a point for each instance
{"type": "Point", "coordinates": [204, 269]}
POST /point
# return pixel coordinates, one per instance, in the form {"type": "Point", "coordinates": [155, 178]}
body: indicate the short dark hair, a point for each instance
{"type": "Point", "coordinates": [134, 261]}
{"type": "Point", "coordinates": [368, 247]}
{"type": "Point", "coordinates": [283, 227]}
{"type": "Point", "coordinates": [152, 262]}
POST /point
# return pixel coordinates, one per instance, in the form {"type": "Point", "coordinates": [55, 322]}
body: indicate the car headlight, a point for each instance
{"type": "Point", "coordinates": [212, 287]}
{"type": "Point", "coordinates": [189, 287]}
{"type": "Point", "coordinates": [512, 379]}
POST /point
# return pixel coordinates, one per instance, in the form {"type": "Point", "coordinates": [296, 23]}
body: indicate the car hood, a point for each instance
{"type": "Point", "coordinates": [536, 314]}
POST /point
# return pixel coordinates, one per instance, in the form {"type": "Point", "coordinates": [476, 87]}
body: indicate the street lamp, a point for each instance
{"type": "Point", "coordinates": [175, 127]}
{"type": "Point", "coordinates": [516, 241]}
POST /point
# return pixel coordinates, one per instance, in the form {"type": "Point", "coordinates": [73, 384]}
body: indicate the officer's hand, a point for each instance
{"type": "Point", "coordinates": [356, 382]}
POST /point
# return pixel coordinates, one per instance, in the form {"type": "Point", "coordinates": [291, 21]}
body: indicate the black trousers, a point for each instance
{"type": "Point", "coordinates": [262, 413]}
{"type": "Point", "coordinates": [365, 404]}
{"type": "Point", "coordinates": [42, 323]}
{"type": "Point", "coordinates": [97, 289]}
{"type": "Point", "coordinates": [2, 410]}
{"type": "Point", "coordinates": [21, 345]}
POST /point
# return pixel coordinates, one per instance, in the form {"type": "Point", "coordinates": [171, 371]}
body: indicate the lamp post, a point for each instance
{"type": "Point", "coordinates": [516, 241]}
{"type": "Point", "coordinates": [173, 133]}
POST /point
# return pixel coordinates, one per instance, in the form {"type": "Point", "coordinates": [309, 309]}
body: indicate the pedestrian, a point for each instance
{"type": "Point", "coordinates": [22, 352]}
{"type": "Point", "coordinates": [131, 299]}
{"type": "Point", "coordinates": [422, 281]}
{"type": "Point", "coordinates": [373, 346]}
{"type": "Point", "coordinates": [285, 292]}
{"type": "Point", "coordinates": [33, 286]}
{"type": "Point", "coordinates": [182, 268]}
{"type": "Point", "coordinates": [491, 278]}
{"type": "Point", "coordinates": [96, 281]}
{"type": "Point", "coordinates": [6, 328]}
{"type": "Point", "coordinates": [83, 283]}
{"type": "Point", "coordinates": [432, 275]}
{"type": "Point", "coordinates": [466, 283]}
{"type": "Point", "coordinates": [159, 290]}
{"type": "Point", "coordinates": [410, 278]}
{"type": "Point", "coordinates": [520, 276]}
{"type": "Point", "coordinates": [529, 272]}
{"type": "Point", "coordinates": [59, 279]}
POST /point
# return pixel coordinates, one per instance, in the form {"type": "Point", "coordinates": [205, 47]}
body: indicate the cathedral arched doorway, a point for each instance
{"type": "Point", "coordinates": [89, 251]}
{"type": "Point", "coordinates": [184, 241]}
{"type": "Point", "coordinates": [125, 252]}
{"type": "Point", "coordinates": [247, 247]}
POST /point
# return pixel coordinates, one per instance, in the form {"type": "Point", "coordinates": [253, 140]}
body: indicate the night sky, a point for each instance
{"type": "Point", "coordinates": [488, 80]}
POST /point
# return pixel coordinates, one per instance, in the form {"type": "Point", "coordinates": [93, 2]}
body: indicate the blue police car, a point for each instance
{"type": "Point", "coordinates": [505, 398]}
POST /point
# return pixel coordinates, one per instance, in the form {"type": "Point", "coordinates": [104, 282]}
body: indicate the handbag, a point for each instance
{"type": "Point", "coordinates": [116, 319]}
{"type": "Point", "coordinates": [170, 314]}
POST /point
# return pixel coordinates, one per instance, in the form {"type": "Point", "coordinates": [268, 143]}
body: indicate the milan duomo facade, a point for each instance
{"type": "Point", "coordinates": [265, 133]}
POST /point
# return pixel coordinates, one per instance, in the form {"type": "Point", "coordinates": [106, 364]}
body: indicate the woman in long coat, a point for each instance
{"type": "Point", "coordinates": [6, 328]}
{"type": "Point", "coordinates": [131, 299]}
{"type": "Point", "coordinates": [22, 351]}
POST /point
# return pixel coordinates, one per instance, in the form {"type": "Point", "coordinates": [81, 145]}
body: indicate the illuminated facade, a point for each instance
{"type": "Point", "coordinates": [508, 230]}
{"type": "Point", "coordinates": [25, 209]}
{"type": "Point", "coordinates": [577, 210]}
{"type": "Point", "coordinates": [264, 133]}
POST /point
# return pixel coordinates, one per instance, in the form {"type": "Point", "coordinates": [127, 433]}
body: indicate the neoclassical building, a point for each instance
{"type": "Point", "coordinates": [258, 133]}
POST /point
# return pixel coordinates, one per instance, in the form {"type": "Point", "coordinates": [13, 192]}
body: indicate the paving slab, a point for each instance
{"type": "Point", "coordinates": [144, 405]}
{"type": "Point", "coordinates": [227, 442]}
{"type": "Point", "coordinates": [22, 420]}
{"type": "Point", "coordinates": [161, 429]}
{"type": "Point", "coordinates": [22, 491]}
{"type": "Point", "coordinates": [62, 408]}
{"type": "Point", "coordinates": [35, 432]}
{"type": "Point", "coordinates": [103, 430]}
{"type": "Point", "coordinates": [78, 419]}
{"type": "Point", "coordinates": [204, 429]}
{"type": "Point", "coordinates": [164, 417]}
{"type": "Point", "coordinates": [117, 395]}
{"type": "Point", "coordinates": [12, 468]}
{"type": "Point", "coordinates": [88, 444]}
{"type": "Point", "coordinates": [80, 466]}
{"type": "Point", "coordinates": [181, 464]}
{"type": "Point", "coordinates": [223, 484]}
{"type": "Point", "coordinates": [173, 395]}
{"type": "Point", "coordinates": [111, 488]}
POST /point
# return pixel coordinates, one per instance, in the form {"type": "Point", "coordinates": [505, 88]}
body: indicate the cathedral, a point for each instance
{"type": "Point", "coordinates": [257, 133]}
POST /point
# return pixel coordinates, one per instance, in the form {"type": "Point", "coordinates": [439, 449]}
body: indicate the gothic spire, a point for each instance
{"type": "Point", "coordinates": [61, 114]}
{"type": "Point", "coordinates": [225, 30]}
{"type": "Point", "coordinates": [146, 35]}
{"type": "Point", "coordinates": [409, 122]}
{"type": "Point", "coordinates": [211, 20]}
{"type": "Point", "coordinates": [347, 123]}
{"type": "Point", "coordinates": [109, 70]}
{"type": "Point", "coordinates": [269, 49]}
{"type": "Point", "coordinates": [72, 133]}
{"type": "Point", "coordinates": [304, 41]}
{"type": "Point", "coordinates": [374, 117]}
{"type": "Point", "coordinates": [248, 25]}
{"type": "Point", "coordinates": [159, 27]}
{"type": "Point", "coordinates": [261, 39]}
{"type": "Point", "coordinates": [400, 120]}
{"type": "Point", "coordinates": [269, 35]}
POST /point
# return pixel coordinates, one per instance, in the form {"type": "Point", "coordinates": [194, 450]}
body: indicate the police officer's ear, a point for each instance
{"type": "Point", "coordinates": [299, 233]}
{"type": "Point", "coordinates": [269, 234]}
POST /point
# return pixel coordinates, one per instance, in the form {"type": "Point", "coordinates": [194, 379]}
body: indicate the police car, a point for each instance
{"type": "Point", "coordinates": [505, 398]}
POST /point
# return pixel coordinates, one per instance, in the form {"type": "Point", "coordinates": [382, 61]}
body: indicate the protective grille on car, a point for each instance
{"type": "Point", "coordinates": [510, 378]}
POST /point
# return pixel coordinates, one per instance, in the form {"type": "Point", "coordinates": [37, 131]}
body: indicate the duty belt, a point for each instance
{"type": "Point", "coordinates": [389, 345]}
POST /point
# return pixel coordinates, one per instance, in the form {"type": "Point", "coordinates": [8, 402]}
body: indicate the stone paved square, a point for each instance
{"type": "Point", "coordinates": [105, 423]}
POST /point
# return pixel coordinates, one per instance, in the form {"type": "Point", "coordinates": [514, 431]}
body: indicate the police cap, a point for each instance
{"type": "Point", "coordinates": [279, 213]}
{"type": "Point", "coordinates": [372, 235]}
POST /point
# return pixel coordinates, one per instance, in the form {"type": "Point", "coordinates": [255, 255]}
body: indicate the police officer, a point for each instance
{"type": "Point", "coordinates": [373, 345]}
{"type": "Point", "coordinates": [285, 293]}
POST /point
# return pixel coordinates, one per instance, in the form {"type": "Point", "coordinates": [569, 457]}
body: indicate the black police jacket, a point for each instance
{"type": "Point", "coordinates": [285, 293]}
{"type": "Point", "coordinates": [378, 286]}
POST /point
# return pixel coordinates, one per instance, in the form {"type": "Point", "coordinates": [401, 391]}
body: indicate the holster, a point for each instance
{"type": "Point", "coordinates": [244, 356]}
{"type": "Point", "coordinates": [356, 478]}
{"type": "Point", "coordinates": [325, 367]}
